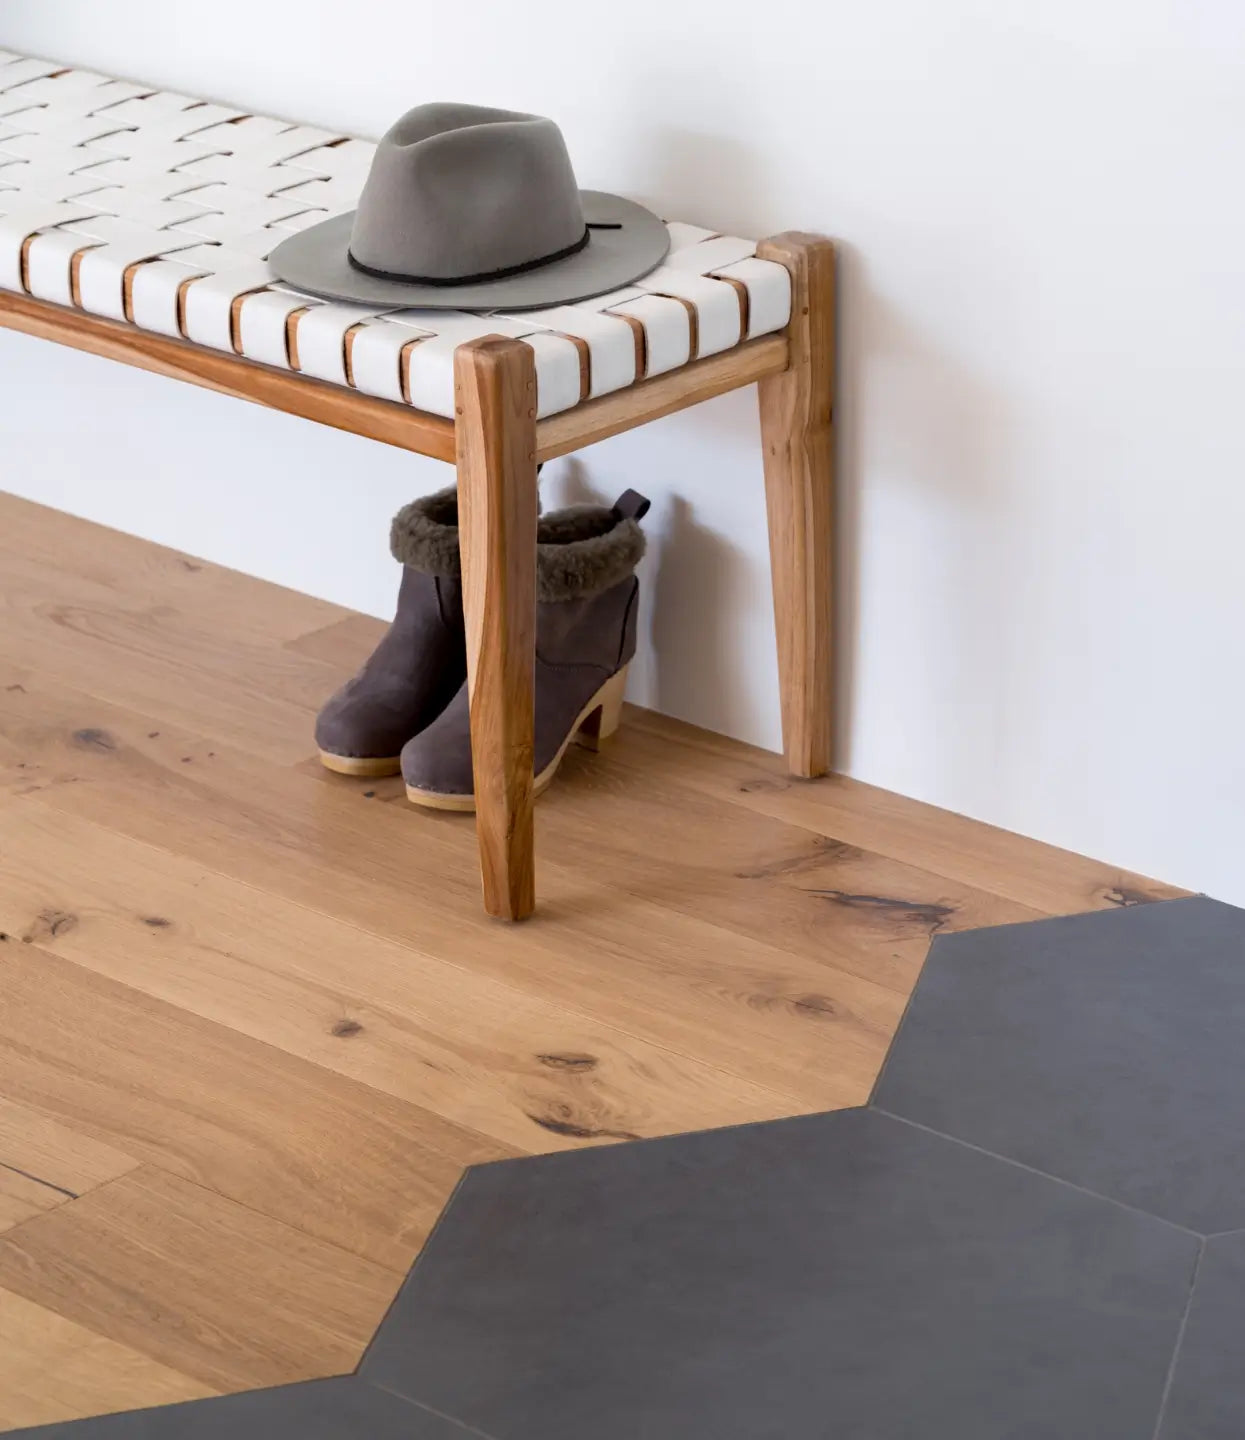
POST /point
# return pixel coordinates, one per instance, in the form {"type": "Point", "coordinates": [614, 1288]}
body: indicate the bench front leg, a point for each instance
{"type": "Point", "coordinates": [797, 434]}
{"type": "Point", "coordinates": [495, 442]}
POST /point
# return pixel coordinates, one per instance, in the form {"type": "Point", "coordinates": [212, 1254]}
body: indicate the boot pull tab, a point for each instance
{"type": "Point", "coordinates": [631, 505]}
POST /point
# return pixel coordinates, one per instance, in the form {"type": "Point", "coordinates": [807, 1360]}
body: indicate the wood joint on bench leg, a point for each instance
{"type": "Point", "coordinates": [797, 432]}
{"type": "Point", "coordinates": [495, 432]}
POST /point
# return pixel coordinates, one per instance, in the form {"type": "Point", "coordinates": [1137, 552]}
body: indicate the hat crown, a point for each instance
{"type": "Point", "coordinates": [460, 192]}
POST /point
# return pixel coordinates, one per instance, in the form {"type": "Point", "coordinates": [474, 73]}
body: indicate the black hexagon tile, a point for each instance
{"type": "Point", "coordinates": [1106, 1049]}
{"type": "Point", "coordinates": [845, 1275]}
{"type": "Point", "coordinates": [345, 1408]}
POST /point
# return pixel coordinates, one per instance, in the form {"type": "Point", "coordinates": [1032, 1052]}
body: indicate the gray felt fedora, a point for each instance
{"type": "Point", "coordinates": [467, 208]}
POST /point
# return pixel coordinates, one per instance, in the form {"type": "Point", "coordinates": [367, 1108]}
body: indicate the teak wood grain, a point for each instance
{"type": "Point", "coordinates": [247, 1007]}
{"type": "Point", "coordinates": [296, 394]}
{"type": "Point", "coordinates": [663, 395]}
{"type": "Point", "coordinates": [797, 439]}
{"type": "Point", "coordinates": [495, 409]}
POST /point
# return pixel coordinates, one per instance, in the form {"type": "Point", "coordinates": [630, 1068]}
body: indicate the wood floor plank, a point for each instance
{"type": "Point", "coordinates": [290, 1139]}
{"type": "Point", "coordinates": [53, 1370]}
{"type": "Point", "coordinates": [1053, 881]}
{"type": "Point", "coordinates": [258, 696]}
{"type": "Point", "coordinates": [43, 1164]}
{"type": "Point", "coordinates": [343, 643]}
{"type": "Point", "coordinates": [56, 1154]}
{"type": "Point", "coordinates": [198, 1283]}
{"type": "Point", "coordinates": [762, 878]}
{"type": "Point", "coordinates": [798, 1024]}
{"type": "Point", "coordinates": [82, 559]}
{"type": "Point", "coordinates": [472, 1049]}
{"type": "Point", "coordinates": [22, 1196]}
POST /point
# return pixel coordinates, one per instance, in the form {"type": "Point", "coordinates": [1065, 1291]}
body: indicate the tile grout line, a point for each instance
{"type": "Point", "coordinates": [1180, 1333]}
{"type": "Point", "coordinates": [1044, 1174]}
{"type": "Point", "coordinates": [440, 1414]}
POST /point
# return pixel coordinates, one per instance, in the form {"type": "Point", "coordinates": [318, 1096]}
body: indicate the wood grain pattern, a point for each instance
{"type": "Point", "coordinates": [58, 557]}
{"type": "Point", "coordinates": [44, 1163]}
{"type": "Point", "coordinates": [327, 404]}
{"type": "Point", "coordinates": [144, 1260]}
{"type": "Point", "coordinates": [797, 439]}
{"type": "Point", "coordinates": [1045, 878]}
{"type": "Point", "coordinates": [321, 1153]}
{"type": "Point", "coordinates": [468, 1047]}
{"type": "Point", "coordinates": [260, 983]}
{"type": "Point", "coordinates": [663, 395]}
{"type": "Point", "coordinates": [22, 1196]}
{"type": "Point", "coordinates": [495, 406]}
{"type": "Point", "coordinates": [54, 1370]}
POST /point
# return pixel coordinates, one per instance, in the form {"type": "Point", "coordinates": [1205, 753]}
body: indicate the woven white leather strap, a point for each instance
{"type": "Point", "coordinates": [161, 210]}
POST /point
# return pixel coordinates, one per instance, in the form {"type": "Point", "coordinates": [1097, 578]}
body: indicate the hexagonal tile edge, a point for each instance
{"type": "Point", "coordinates": [339, 1408]}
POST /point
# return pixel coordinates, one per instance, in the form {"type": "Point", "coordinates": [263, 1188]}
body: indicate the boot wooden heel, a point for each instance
{"type": "Point", "coordinates": [604, 713]}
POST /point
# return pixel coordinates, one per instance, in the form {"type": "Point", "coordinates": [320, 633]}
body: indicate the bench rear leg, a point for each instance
{"type": "Point", "coordinates": [797, 435]}
{"type": "Point", "coordinates": [495, 425]}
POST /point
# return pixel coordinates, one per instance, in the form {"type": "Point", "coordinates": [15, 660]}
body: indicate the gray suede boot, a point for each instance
{"type": "Point", "coordinates": [421, 663]}
{"type": "Point", "coordinates": [587, 599]}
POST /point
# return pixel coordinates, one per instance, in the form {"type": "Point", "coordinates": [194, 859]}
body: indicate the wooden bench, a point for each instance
{"type": "Point", "coordinates": [136, 224]}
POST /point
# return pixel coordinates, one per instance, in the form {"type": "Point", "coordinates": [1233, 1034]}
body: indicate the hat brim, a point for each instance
{"type": "Point", "coordinates": [316, 261]}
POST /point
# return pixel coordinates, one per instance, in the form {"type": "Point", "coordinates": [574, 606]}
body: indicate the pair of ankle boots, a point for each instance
{"type": "Point", "coordinates": [407, 708]}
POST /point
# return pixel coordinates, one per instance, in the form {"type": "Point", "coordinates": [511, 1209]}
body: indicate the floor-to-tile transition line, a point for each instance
{"type": "Point", "coordinates": [440, 1414]}
{"type": "Point", "coordinates": [1043, 1174]}
{"type": "Point", "coordinates": [411, 1268]}
{"type": "Point", "coordinates": [1183, 1326]}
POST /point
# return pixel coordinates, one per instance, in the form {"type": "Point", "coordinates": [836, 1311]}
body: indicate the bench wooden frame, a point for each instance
{"type": "Point", "coordinates": [496, 442]}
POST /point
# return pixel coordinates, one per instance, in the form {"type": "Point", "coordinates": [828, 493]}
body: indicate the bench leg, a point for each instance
{"type": "Point", "coordinates": [797, 435]}
{"type": "Point", "coordinates": [495, 425]}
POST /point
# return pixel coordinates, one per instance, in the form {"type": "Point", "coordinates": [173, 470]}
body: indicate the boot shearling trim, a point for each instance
{"type": "Point", "coordinates": [424, 535]}
{"type": "Point", "coordinates": [580, 551]}
{"type": "Point", "coordinates": [583, 550]}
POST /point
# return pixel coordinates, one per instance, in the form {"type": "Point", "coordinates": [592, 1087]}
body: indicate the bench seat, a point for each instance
{"type": "Point", "coordinates": [160, 210]}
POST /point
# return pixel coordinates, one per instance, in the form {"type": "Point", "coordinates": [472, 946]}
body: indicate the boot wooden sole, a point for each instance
{"type": "Point", "coordinates": [595, 723]}
{"type": "Point", "coordinates": [363, 767]}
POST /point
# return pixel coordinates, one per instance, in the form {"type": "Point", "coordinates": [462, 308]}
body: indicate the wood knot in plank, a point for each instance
{"type": "Point", "coordinates": [577, 1063]}
{"type": "Point", "coordinates": [930, 915]}
{"type": "Point", "coordinates": [345, 1028]}
{"type": "Point", "coordinates": [92, 738]}
{"type": "Point", "coordinates": [49, 925]}
{"type": "Point", "coordinates": [1126, 896]}
{"type": "Point", "coordinates": [816, 1007]}
{"type": "Point", "coordinates": [562, 1121]}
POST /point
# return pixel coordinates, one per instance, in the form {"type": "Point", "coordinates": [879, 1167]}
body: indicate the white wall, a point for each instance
{"type": "Point", "coordinates": [1043, 332]}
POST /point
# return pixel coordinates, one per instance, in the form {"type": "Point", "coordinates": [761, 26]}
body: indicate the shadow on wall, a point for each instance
{"type": "Point", "coordinates": [729, 185]}
{"type": "Point", "coordinates": [691, 573]}
{"type": "Point", "coordinates": [933, 436]}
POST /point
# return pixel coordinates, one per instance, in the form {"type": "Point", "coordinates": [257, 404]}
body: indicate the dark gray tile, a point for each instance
{"type": "Point", "coordinates": [339, 1409]}
{"type": "Point", "coordinates": [845, 1275]}
{"type": "Point", "coordinates": [1105, 1049]}
{"type": "Point", "coordinates": [1207, 1400]}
